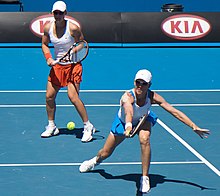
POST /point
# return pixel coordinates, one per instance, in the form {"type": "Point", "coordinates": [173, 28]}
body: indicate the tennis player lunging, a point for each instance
{"type": "Point", "coordinates": [134, 104]}
{"type": "Point", "coordinates": [62, 34]}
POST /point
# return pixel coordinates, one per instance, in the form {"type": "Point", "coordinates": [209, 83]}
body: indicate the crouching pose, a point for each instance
{"type": "Point", "coordinates": [133, 105]}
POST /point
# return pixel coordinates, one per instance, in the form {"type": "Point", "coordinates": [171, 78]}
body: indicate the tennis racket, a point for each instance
{"type": "Point", "coordinates": [136, 128]}
{"type": "Point", "coordinates": [76, 54]}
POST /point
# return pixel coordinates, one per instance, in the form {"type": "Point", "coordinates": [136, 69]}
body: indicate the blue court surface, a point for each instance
{"type": "Point", "coordinates": [182, 163]}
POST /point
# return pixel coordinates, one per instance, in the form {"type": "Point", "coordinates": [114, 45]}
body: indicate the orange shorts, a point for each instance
{"type": "Point", "coordinates": [61, 75]}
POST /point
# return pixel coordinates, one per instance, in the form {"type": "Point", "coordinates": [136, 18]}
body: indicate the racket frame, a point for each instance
{"type": "Point", "coordinates": [69, 52]}
{"type": "Point", "coordinates": [137, 127]}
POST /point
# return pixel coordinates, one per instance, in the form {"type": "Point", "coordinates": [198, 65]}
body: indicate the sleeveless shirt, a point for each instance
{"type": "Point", "coordinates": [61, 45]}
{"type": "Point", "coordinates": [138, 111]}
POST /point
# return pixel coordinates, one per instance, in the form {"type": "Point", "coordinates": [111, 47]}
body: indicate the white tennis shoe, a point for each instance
{"type": "Point", "coordinates": [50, 131]}
{"type": "Point", "coordinates": [144, 184]}
{"type": "Point", "coordinates": [88, 132]}
{"type": "Point", "coordinates": [89, 165]}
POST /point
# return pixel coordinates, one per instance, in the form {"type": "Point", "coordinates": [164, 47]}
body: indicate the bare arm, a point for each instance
{"type": "Point", "coordinates": [78, 35]}
{"type": "Point", "coordinates": [45, 47]}
{"type": "Point", "coordinates": [76, 32]}
{"type": "Point", "coordinates": [158, 99]}
{"type": "Point", "coordinates": [126, 101]}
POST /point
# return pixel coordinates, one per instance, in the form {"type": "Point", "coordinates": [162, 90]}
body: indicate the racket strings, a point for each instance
{"type": "Point", "coordinates": [79, 52]}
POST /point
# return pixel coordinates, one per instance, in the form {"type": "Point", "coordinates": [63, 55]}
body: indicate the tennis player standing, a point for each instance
{"type": "Point", "coordinates": [62, 34]}
{"type": "Point", "coordinates": [134, 104]}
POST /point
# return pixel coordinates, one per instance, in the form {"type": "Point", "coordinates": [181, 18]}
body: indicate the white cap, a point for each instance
{"type": "Point", "coordinates": [143, 75]}
{"type": "Point", "coordinates": [59, 5]}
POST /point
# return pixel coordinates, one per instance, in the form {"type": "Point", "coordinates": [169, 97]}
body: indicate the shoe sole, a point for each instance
{"type": "Point", "coordinates": [55, 132]}
{"type": "Point", "coordinates": [93, 131]}
{"type": "Point", "coordinates": [145, 192]}
{"type": "Point", "coordinates": [87, 140]}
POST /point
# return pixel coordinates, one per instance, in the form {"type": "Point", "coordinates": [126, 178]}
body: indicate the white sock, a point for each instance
{"type": "Point", "coordinates": [145, 177]}
{"type": "Point", "coordinates": [51, 123]}
{"type": "Point", "coordinates": [86, 123]}
{"type": "Point", "coordinates": [94, 159]}
{"type": "Point", "coordinates": [97, 162]}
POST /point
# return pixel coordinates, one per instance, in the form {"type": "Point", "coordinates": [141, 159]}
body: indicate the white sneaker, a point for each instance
{"type": "Point", "coordinates": [144, 184]}
{"type": "Point", "coordinates": [87, 132]}
{"type": "Point", "coordinates": [89, 165]}
{"type": "Point", "coordinates": [50, 131]}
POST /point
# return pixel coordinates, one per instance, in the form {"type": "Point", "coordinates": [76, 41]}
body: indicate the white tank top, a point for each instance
{"type": "Point", "coordinates": [138, 111]}
{"type": "Point", "coordinates": [61, 45]}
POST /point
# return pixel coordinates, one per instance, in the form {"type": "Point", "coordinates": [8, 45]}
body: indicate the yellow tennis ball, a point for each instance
{"type": "Point", "coordinates": [70, 125]}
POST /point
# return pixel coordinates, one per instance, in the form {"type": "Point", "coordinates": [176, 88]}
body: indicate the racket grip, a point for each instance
{"type": "Point", "coordinates": [55, 62]}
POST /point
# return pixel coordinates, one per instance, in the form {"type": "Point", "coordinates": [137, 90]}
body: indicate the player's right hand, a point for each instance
{"type": "Point", "coordinates": [50, 62]}
{"type": "Point", "coordinates": [127, 131]}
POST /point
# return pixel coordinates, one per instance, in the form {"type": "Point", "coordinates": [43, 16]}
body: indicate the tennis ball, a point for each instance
{"type": "Point", "coordinates": [70, 125]}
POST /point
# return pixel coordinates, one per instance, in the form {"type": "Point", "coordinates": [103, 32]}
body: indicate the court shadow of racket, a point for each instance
{"type": "Point", "coordinates": [78, 133]}
{"type": "Point", "coordinates": [155, 179]}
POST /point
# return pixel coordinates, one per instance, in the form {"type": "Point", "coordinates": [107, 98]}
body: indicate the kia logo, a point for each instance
{"type": "Point", "coordinates": [37, 25]}
{"type": "Point", "coordinates": [186, 27]}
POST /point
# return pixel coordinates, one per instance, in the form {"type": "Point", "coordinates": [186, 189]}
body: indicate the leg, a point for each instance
{"type": "Point", "coordinates": [73, 94]}
{"type": "Point", "coordinates": [111, 143]}
{"type": "Point", "coordinates": [144, 137]}
{"type": "Point", "coordinates": [51, 93]}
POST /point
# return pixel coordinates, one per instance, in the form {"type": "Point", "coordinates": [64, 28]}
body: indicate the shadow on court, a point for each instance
{"type": "Point", "coordinates": [78, 133]}
{"type": "Point", "coordinates": [155, 179]}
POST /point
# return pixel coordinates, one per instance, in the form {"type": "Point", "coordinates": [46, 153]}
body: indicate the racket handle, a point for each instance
{"type": "Point", "coordinates": [55, 62]}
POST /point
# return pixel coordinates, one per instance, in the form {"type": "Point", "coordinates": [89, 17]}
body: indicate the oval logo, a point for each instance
{"type": "Point", "coordinates": [37, 24]}
{"type": "Point", "coordinates": [186, 27]}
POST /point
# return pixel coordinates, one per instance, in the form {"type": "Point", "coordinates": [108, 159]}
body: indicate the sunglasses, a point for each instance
{"type": "Point", "coordinates": [140, 82]}
{"type": "Point", "coordinates": [58, 13]}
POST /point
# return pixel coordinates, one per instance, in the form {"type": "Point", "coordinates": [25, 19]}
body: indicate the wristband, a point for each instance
{"type": "Point", "coordinates": [47, 56]}
{"type": "Point", "coordinates": [128, 124]}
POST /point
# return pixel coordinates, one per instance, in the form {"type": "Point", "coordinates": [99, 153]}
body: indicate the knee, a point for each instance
{"type": "Point", "coordinates": [73, 98]}
{"type": "Point", "coordinates": [49, 98]}
{"type": "Point", "coordinates": [104, 153]}
{"type": "Point", "coordinates": [145, 139]}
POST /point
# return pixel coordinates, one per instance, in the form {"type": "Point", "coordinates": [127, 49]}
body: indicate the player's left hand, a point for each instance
{"type": "Point", "coordinates": [203, 133]}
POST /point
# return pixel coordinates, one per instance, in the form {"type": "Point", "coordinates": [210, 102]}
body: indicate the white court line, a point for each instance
{"type": "Point", "coordinates": [39, 106]}
{"type": "Point", "coordinates": [212, 167]}
{"type": "Point", "coordinates": [61, 91]}
{"type": "Point", "coordinates": [97, 105]}
{"type": "Point", "coordinates": [109, 163]}
{"type": "Point", "coordinates": [193, 104]}
{"type": "Point", "coordinates": [114, 105]}
{"type": "Point", "coordinates": [64, 91]}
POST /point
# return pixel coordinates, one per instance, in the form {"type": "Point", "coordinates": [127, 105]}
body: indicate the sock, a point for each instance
{"type": "Point", "coordinates": [99, 158]}
{"type": "Point", "coordinates": [145, 177]}
{"type": "Point", "coordinates": [51, 123]}
{"type": "Point", "coordinates": [94, 160]}
{"type": "Point", "coordinates": [86, 123]}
